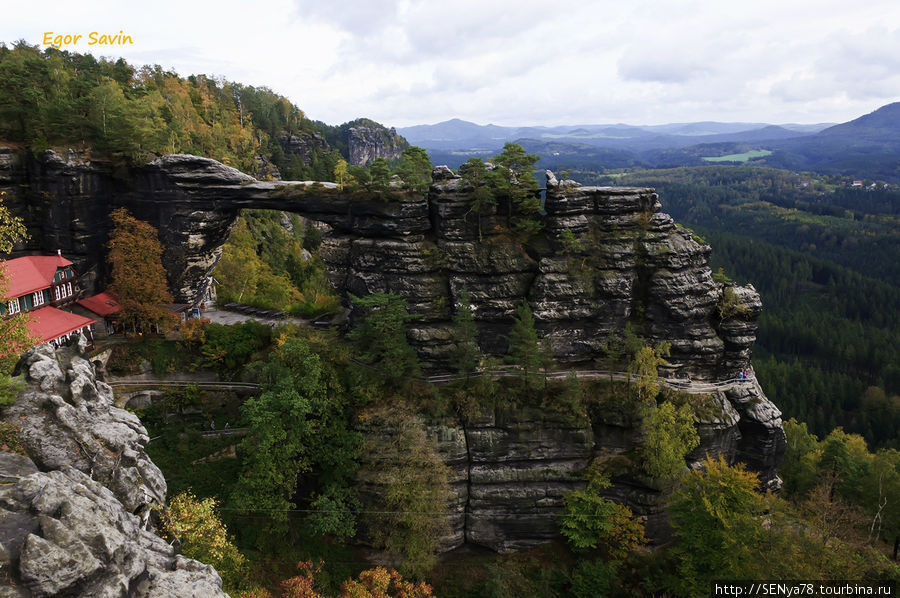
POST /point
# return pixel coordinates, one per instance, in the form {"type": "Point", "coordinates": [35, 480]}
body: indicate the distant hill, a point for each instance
{"type": "Point", "coordinates": [867, 147]}
{"type": "Point", "coordinates": [460, 135]}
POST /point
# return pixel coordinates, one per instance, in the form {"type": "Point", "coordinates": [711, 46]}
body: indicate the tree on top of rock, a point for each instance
{"type": "Point", "coordinates": [415, 169]}
{"type": "Point", "coordinates": [514, 182]}
{"type": "Point", "coordinates": [138, 277]}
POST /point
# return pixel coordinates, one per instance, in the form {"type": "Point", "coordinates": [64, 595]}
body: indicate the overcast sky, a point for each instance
{"type": "Point", "coordinates": [517, 62]}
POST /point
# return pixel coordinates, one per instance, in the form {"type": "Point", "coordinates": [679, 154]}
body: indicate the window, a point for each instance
{"type": "Point", "coordinates": [56, 293]}
{"type": "Point", "coordinates": [38, 298]}
{"type": "Point", "coordinates": [70, 290]}
{"type": "Point", "coordinates": [13, 306]}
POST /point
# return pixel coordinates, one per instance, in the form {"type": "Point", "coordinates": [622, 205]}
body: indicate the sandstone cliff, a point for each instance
{"type": "Point", "coordinates": [632, 263]}
{"type": "Point", "coordinates": [75, 511]}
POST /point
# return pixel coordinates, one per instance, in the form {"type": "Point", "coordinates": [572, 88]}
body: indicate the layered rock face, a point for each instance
{"type": "Point", "coordinates": [302, 145]}
{"type": "Point", "coordinates": [606, 256]}
{"type": "Point", "coordinates": [630, 262]}
{"type": "Point", "coordinates": [510, 468]}
{"type": "Point", "coordinates": [365, 142]}
{"type": "Point", "coordinates": [75, 511]}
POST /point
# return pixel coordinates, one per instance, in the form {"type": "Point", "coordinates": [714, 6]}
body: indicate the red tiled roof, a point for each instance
{"type": "Point", "coordinates": [29, 274]}
{"type": "Point", "coordinates": [102, 304]}
{"type": "Point", "coordinates": [49, 323]}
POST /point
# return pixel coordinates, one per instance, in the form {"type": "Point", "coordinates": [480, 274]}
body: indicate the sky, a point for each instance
{"type": "Point", "coordinates": [519, 62]}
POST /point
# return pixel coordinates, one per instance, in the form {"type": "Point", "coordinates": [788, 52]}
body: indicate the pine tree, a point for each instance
{"type": "Point", "coordinates": [466, 354]}
{"type": "Point", "coordinates": [380, 340]}
{"type": "Point", "coordinates": [524, 345]}
{"type": "Point", "coordinates": [415, 169]}
{"type": "Point", "coordinates": [474, 174]}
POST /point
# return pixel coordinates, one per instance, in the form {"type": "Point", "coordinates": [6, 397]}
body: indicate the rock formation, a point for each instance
{"type": "Point", "coordinates": [367, 140]}
{"type": "Point", "coordinates": [636, 264]}
{"type": "Point", "coordinates": [630, 263]}
{"type": "Point", "coordinates": [75, 510]}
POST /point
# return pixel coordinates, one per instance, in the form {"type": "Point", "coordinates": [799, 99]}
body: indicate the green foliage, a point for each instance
{"type": "Point", "coordinates": [525, 348]}
{"type": "Point", "coordinates": [401, 465]}
{"type": "Point", "coordinates": [466, 353]}
{"type": "Point", "coordinates": [644, 370]}
{"type": "Point", "coordinates": [729, 305]}
{"type": "Point", "coordinates": [475, 175]}
{"type": "Point", "coordinates": [571, 244]}
{"type": "Point", "coordinates": [59, 98]}
{"type": "Point", "coordinates": [380, 339]}
{"type": "Point", "coordinates": [204, 537]}
{"type": "Point", "coordinates": [593, 578]}
{"type": "Point", "coordinates": [287, 422]}
{"type": "Point", "coordinates": [714, 516]}
{"type": "Point", "coordinates": [798, 467]}
{"type": "Point", "coordinates": [514, 185]}
{"type": "Point", "coordinates": [720, 277]}
{"type": "Point", "coordinates": [262, 265]}
{"type": "Point", "coordinates": [415, 169]}
{"type": "Point", "coordinates": [231, 347]}
{"type": "Point", "coordinates": [592, 522]}
{"type": "Point", "coordinates": [9, 389]}
{"type": "Point", "coordinates": [669, 435]}
{"type": "Point", "coordinates": [380, 173]}
{"type": "Point", "coordinates": [333, 512]}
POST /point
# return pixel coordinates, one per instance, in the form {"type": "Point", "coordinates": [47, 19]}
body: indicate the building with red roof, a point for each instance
{"type": "Point", "coordinates": [104, 306]}
{"type": "Point", "coordinates": [45, 286]}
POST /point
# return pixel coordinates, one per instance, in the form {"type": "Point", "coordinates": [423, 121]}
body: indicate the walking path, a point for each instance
{"type": "Point", "coordinates": [676, 384]}
{"type": "Point", "coordinates": [687, 386]}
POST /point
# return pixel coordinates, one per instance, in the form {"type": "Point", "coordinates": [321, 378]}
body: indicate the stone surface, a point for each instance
{"type": "Point", "coordinates": [64, 534]}
{"type": "Point", "coordinates": [67, 418]}
{"type": "Point", "coordinates": [635, 263]}
{"type": "Point", "coordinates": [368, 140]}
{"type": "Point", "coordinates": [74, 513]}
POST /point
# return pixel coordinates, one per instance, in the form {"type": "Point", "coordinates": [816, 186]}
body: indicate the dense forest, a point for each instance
{"type": "Point", "coordinates": [825, 259]}
{"type": "Point", "coordinates": [56, 98]}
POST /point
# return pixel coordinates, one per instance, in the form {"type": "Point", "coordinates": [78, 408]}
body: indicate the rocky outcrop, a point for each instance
{"type": "Point", "coordinates": [630, 261]}
{"type": "Point", "coordinates": [606, 257]}
{"type": "Point", "coordinates": [65, 534]}
{"type": "Point", "coordinates": [367, 140]}
{"type": "Point", "coordinates": [510, 468]}
{"type": "Point", "coordinates": [68, 419]}
{"type": "Point", "coordinates": [74, 513]}
{"type": "Point", "coordinates": [303, 145]}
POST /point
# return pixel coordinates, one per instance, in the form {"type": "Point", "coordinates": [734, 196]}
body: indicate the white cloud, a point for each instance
{"type": "Point", "coordinates": [518, 61]}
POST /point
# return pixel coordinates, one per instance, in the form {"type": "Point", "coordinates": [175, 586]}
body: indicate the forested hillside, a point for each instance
{"type": "Point", "coordinates": [56, 98]}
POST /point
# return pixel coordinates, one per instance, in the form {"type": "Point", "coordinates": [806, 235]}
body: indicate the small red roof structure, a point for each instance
{"type": "Point", "coordinates": [102, 304]}
{"type": "Point", "coordinates": [31, 273]}
{"type": "Point", "coordinates": [49, 323]}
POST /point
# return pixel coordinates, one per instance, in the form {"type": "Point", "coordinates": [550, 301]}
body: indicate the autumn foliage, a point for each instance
{"type": "Point", "coordinates": [138, 277]}
{"type": "Point", "coordinates": [371, 583]}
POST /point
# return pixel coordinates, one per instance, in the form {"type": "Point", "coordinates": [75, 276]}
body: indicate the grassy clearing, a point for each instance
{"type": "Point", "coordinates": [738, 157]}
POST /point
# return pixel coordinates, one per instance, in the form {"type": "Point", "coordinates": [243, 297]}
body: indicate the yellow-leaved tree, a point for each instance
{"type": "Point", "coordinates": [138, 277]}
{"type": "Point", "coordinates": [14, 334]}
{"type": "Point", "coordinates": [204, 537]}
